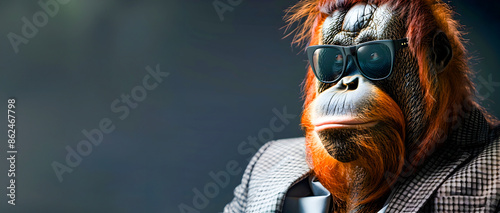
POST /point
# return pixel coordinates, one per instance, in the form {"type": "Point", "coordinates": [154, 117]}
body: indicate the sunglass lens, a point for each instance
{"type": "Point", "coordinates": [375, 60]}
{"type": "Point", "coordinates": [328, 64]}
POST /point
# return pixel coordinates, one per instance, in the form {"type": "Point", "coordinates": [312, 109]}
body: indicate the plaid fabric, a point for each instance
{"type": "Point", "coordinates": [276, 167]}
{"type": "Point", "coordinates": [461, 176]}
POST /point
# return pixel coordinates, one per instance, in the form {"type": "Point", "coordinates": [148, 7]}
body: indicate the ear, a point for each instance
{"type": "Point", "coordinates": [441, 51]}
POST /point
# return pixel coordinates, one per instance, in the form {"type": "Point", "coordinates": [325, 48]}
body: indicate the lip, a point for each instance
{"type": "Point", "coordinates": [337, 122]}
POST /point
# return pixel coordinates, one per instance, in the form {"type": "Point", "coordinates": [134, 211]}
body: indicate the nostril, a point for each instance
{"type": "Point", "coordinates": [347, 83]}
{"type": "Point", "coordinates": [352, 83]}
{"type": "Point", "coordinates": [341, 86]}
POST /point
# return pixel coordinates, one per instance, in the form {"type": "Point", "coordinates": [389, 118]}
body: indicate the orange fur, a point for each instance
{"type": "Point", "coordinates": [382, 153]}
{"type": "Point", "coordinates": [445, 94]}
{"type": "Point", "coordinates": [442, 92]}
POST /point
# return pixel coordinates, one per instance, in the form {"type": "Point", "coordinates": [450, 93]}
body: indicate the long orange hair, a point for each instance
{"type": "Point", "coordinates": [445, 94]}
{"type": "Point", "coordinates": [442, 95]}
{"type": "Point", "coordinates": [380, 152]}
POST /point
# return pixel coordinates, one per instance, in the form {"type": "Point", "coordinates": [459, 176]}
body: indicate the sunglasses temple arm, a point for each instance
{"type": "Point", "coordinates": [401, 43]}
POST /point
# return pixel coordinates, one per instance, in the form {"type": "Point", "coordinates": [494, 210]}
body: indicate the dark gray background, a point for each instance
{"type": "Point", "coordinates": [225, 79]}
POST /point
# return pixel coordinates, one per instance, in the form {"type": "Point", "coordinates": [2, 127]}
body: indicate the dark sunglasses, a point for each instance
{"type": "Point", "coordinates": [375, 59]}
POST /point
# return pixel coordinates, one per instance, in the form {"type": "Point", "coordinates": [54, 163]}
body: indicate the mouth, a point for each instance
{"type": "Point", "coordinates": [339, 122]}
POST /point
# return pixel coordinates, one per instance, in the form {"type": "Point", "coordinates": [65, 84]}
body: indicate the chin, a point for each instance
{"type": "Point", "coordinates": [356, 150]}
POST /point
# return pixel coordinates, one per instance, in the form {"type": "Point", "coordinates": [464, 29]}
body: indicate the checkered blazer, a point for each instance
{"type": "Point", "coordinates": [462, 176]}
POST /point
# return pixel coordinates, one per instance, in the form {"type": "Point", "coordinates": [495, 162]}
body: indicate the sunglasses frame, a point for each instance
{"type": "Point", "coordinates": [393, 45]}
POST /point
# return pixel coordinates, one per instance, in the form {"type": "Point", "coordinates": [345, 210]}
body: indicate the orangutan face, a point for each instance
{"type": "Point", "coordinates": [354, 108]}
{"type": "Point", "coordinates": [370, 102]}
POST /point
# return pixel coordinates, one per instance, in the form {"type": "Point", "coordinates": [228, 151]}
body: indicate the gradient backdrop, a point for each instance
{"type": "Point", "coordinates": [226, 77]}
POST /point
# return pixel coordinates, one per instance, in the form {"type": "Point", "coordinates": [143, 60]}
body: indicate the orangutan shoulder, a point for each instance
{"type": "Point", "coordinates": [273, 153]}
{"type": "Point", "coordinates": [478, 177]}
{"type": "Point", "coordinates": [286, 146]}
{"type": "Point", "coordinates": [283, 148]}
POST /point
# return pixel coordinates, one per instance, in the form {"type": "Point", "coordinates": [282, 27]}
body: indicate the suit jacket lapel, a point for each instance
{"type": "Point", "coordinates": [411, 192]}
{"type": "Point", "coordinates": [269, 190]}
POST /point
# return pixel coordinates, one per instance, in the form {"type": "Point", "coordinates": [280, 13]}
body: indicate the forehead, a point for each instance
{"type": "Point", "coordinates": [360, 23]}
